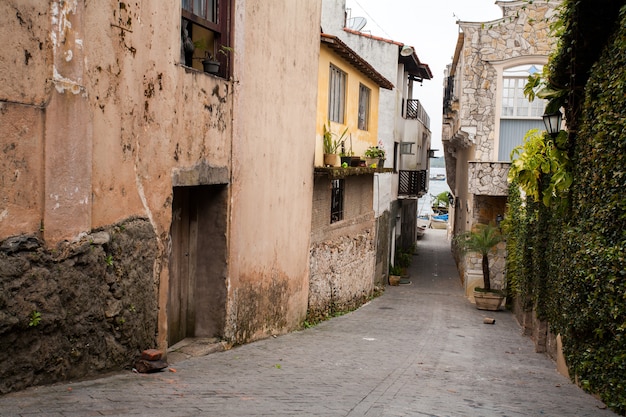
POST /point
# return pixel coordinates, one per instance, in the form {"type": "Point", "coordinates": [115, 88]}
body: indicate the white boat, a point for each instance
{"type": "Point", "coordinates": [438, 177]}
{"type": "Point", "coordinates": [439, 221]}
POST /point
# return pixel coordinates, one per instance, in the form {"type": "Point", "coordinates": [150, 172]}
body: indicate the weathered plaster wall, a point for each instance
{"type": "Point", "coordinates": [275, 70]}
{"type": "Point", "coordinates": [101, 116]}
{"type": "Point", "coordinates": [110, 98]}
{"type": "Point", "coordinates": [341, 274]}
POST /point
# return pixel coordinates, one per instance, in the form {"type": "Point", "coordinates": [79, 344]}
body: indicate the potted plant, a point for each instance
{"type": "Point", "coordinates": [403, 261]}
{"type": "Point", "coordinates": [394, 275]}
{"type": "Point", "coordinates": [483, 240]}
{"type": "Point", "coordinates": [210, 64]}
{"type": "Point", "coordinates": [374, 155]}
{"type": "Point", "coordinates": [331, 145]}
{"type": "Point", "coordinates": [346, 156]}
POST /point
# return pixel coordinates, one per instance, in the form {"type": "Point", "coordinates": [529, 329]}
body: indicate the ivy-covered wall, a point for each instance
{"type": "Point", "coordinates": [568, 263]}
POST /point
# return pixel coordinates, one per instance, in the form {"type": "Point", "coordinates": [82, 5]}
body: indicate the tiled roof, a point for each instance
{"type": "Point", "coordinates": [355, 60]}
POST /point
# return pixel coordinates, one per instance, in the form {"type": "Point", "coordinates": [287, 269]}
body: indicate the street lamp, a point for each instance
{"type": "Point", "coordinates": [552, 121]}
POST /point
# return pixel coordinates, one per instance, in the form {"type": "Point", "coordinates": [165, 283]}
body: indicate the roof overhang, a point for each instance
{"type": "Point", "coordinates": [354, 59]}
{"type": "Point", "coordinates": [417, 70]}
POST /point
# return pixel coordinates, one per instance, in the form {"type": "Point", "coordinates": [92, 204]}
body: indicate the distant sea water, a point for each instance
{"type": "Point", "coordinates": [434, 188]}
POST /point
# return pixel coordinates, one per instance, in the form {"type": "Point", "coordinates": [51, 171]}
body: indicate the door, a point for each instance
{"type": "Point", "coordinates": [197, 295]}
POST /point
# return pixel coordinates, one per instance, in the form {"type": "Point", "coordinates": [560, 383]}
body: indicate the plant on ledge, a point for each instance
{"type": "Point", "coordinates": [375, 152]}
{"type": "Point", "coordinates": [331, 145]}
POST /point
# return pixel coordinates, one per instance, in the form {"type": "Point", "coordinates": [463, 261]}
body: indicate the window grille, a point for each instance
{"type": "Point", "coordinates": [336, 201]}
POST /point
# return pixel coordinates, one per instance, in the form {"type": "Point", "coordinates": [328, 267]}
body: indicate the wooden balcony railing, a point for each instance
{"type": "Point", "coordinates": [412, 183]}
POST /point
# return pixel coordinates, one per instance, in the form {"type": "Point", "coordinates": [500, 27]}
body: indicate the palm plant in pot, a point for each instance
{"type": "Point", "coordinates": [483, 241]}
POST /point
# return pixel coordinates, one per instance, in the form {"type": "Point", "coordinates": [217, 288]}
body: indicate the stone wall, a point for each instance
{"type": "Point", "coordinates": [488, 178]}
{"type": "Point", "coordinates": [82, 308]}
{"type": "Point", "coordinates": [524, 31]}
{"type": "Point", "coordinates": [341, 274]}
{"type": "Point", "coordinates": [343, 255]}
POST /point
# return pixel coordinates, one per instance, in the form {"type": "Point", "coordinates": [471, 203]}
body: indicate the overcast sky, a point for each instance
{"type": "Point", "coordinates": [429, 26]}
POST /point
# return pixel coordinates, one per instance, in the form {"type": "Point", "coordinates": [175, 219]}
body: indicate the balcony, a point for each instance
{"type": "Point", "coordinates": [412, 183]}
{"type": "Point", "coordinates": [414, 110]}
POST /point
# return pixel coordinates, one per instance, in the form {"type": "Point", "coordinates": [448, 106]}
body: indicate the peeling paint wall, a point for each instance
{"type": "Point", "coordinates": [100, 118]}
{"type": "Point", "coordinates": [276, 59]}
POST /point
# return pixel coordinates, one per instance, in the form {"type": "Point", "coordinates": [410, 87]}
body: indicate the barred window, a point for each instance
{"type": "Point", "coordinates": [336, 201]}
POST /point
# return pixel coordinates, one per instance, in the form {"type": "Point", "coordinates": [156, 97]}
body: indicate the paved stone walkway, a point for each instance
{"type": "Point", "coordinates": [419, 350]}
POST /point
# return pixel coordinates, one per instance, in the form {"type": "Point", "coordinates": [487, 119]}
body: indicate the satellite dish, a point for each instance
{"type": "Point", "coordinates": [406, 50]}
{"type": "Point", "coordinates": [356, 23]}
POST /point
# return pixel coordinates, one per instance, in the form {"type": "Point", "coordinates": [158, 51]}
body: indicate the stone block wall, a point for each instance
{"type": "Point", "coordinates": [488, 178]}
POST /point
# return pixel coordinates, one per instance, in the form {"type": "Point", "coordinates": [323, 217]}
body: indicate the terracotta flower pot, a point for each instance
{"type": "Point", "coordinates": [394, 280]}
{"type": "Point", "coordinates": [331, 159]}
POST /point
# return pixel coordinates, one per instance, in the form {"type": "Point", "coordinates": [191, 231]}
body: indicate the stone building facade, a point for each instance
{"type": "Point", "coordinates": [486, 115]}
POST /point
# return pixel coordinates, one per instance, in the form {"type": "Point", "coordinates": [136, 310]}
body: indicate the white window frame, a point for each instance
{"type": "Point", "coordinates": [514, 104]}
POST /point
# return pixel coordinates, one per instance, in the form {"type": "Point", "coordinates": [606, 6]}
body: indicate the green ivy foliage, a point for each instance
{"type": "Point", "coordinates": [596, 325]}
{"type": "Point", "coordinates": [570, 266]}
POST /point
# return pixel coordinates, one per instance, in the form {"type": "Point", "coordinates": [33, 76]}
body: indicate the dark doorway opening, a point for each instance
{"type": "Point", "coordinates": [197, 291]}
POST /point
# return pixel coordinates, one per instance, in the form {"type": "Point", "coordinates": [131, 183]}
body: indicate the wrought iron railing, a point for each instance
{"type": "Point", "coordinates": [412, 183]}
{"type": "Point", "coordinates": [448, 96]}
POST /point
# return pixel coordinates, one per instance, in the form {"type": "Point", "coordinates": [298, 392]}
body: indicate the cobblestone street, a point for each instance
{"type": "Point", "coordinates": [419, 350]}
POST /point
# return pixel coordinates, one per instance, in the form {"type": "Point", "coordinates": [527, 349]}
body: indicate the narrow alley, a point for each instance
{"type": "Point", "coordinates": [420, 349]}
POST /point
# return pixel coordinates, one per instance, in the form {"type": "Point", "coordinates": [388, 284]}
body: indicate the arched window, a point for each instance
{"type": "Point", "coordinates": [514, 104]}
{"type": "Point", "coordinates": [517, 114]}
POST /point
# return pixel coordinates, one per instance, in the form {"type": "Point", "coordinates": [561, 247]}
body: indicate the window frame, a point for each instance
{"type": "Point", "coordinates": [365, 94]}
{"type": "Point", "coordinates": [515, 101]}
{"type": "Point", "coordinates": [337, 86]}
{"type": "Point", "coordinates": [220, 29]}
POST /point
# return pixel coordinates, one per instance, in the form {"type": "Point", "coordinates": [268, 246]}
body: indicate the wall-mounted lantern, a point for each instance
{"type": "Point", "coordinates": [552, 121]}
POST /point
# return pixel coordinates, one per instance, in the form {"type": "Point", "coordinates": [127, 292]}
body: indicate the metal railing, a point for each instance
{"type": "Point", "coordinates": [414, 110]}
{"type": "Point", "coordinates": [412, 183]}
